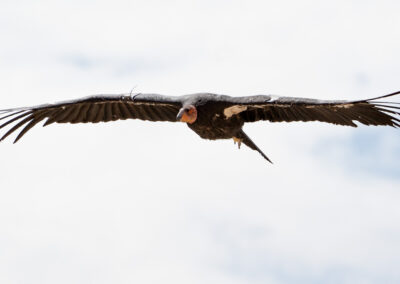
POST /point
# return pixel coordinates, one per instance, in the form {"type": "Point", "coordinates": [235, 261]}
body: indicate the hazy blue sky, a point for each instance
{"type": "Point", "coordinates": [141, 202]}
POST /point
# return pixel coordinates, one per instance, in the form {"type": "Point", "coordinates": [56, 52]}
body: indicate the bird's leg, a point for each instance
{"type": "Point", "coordinates": [238, 140]}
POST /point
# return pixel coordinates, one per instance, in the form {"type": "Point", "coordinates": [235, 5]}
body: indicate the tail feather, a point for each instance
{"type": "Point", "coordinates": [249, 143]}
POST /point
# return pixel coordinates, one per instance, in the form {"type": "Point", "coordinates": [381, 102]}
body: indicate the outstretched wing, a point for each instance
{"type": "Point", "coordinates": [93, 109]}
{"type": "Point", "coordinates": [277, 109]}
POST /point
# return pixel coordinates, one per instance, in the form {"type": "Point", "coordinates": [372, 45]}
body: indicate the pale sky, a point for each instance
{"type": "Point", "coordinates": [142, 202]}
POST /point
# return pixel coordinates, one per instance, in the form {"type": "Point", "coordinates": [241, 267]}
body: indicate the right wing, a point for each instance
{"type": "Point", "coordinates": [101, 108]}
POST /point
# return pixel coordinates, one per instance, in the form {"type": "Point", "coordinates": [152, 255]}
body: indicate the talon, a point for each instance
{"type": "Point", "coordinates": [238, 140]}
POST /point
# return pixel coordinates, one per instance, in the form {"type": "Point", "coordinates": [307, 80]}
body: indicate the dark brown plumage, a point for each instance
{"type": "Point", "coordinates": [210, 116]}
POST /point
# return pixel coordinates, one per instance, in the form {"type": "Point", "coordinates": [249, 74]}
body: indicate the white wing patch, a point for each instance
{"type": "Point", "coordinates": [228, 112]}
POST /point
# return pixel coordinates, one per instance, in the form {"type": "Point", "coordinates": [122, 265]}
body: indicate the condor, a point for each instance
{"type": "Point", "coordinates": [211, 116]}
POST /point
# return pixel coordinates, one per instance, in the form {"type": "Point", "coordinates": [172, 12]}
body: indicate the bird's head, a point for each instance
{"type": "Point", "coordinates": [187, 114]}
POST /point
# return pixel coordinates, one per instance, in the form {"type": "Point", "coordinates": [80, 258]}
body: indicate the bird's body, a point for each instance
{"type": "Point", "coordinates": [211, 122]}
{"type": "Point", "coordinates": [209, 115]}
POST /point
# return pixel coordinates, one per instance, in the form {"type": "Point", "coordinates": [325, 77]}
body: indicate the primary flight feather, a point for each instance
{"type": "Point", "coordinates": [211, 116]}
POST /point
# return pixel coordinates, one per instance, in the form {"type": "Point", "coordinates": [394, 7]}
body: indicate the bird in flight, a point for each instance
{"type": "Point", "coordinates": [211, 116]}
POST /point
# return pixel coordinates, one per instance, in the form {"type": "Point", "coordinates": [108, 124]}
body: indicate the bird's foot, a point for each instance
{"type": "Point", "coordinates": [238, 140]}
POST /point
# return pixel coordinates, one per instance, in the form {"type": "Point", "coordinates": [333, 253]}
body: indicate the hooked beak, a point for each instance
{"type": "Point", "coordinates": [180, 114]}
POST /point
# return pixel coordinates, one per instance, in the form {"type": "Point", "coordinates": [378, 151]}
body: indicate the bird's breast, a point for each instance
{"type": "Point", "coordinates": [216, 127]}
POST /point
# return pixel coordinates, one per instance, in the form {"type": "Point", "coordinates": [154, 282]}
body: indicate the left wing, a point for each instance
{"type": "Point", "coordinates": [288, 109]}
{"type": "Point", "coordinates": [101, 108]}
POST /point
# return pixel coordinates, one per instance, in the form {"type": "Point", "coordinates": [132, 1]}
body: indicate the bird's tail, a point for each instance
{"type": "Point", "coordinates": [249, 143]}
